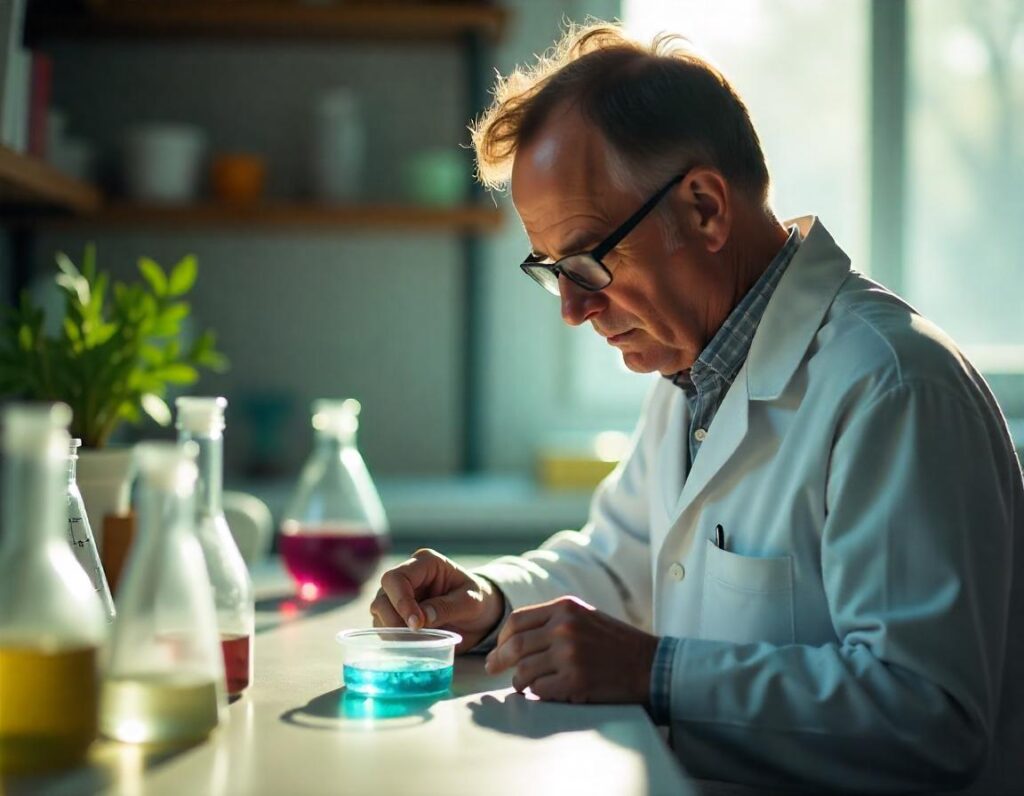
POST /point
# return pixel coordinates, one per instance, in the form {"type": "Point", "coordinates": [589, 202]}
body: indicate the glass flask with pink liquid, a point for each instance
{"type": "Point", "coordinates": [201, 421]}
{"type": "Point", "coordinates": [334, 531]}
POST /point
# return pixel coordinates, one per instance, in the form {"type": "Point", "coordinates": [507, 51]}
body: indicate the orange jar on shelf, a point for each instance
{"type": "Point", "coordinates": [238, 177]}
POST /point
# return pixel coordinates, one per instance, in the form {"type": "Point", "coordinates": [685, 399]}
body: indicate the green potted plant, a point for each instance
{"type": "Point", "coordinates": [116, 351]}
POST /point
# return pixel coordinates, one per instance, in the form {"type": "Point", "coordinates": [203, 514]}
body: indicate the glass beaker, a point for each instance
{"type": "Point", "coordinates": [164, 683]}
{"type": "Point", "coordinates": [201, 420]}
{"type": "Point", "coordinates": [80, 537]}
{"type": "Point", "coordinates": [51, 622]}
{"type": "Point", "coordinates": [334, 531]}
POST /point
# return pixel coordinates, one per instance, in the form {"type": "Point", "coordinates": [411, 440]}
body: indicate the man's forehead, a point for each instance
{"type": "Point", "coordinates": [562, 171]}
{"type": "Point", "coordinates": [566, 151]}
{"type": "Point", "coordinates": [546, 152]}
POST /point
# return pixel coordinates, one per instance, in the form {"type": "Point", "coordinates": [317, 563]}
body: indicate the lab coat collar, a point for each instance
{"type": "Point", "coordinates": [796, 309]}
{"type": "Point", "coordinates": [789, 324]}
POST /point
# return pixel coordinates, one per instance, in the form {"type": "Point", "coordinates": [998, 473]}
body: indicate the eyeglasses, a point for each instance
{"type": "Point", "coordinates": [586, 269]}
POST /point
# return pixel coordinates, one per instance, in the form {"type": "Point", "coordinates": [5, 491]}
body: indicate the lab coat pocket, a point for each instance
{"type": "Point", "coordinates": [747, 599]}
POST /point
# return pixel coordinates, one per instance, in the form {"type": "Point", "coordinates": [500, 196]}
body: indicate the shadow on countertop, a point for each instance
{"type": "Point", "coordinates": [104, 769]}
{"type": "Point", "coordinates": [272, 612]}
{"type": "Point", "coordinates": [339, 709]}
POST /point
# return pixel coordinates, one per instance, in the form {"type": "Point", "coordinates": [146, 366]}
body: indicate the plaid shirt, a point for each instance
{"type": "Point", "coordinates": [705, 385]}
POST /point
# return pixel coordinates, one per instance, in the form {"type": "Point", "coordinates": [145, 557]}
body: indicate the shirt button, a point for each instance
{"type": "Point", "coordinates": [700, 434]}
{"type": "Point", "coordinates": [677, 571]}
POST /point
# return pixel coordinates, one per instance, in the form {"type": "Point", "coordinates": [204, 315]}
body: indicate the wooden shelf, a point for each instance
{"type": "Point", "coordinates": [234, 19]}
{"type": "Point", "coordinates": [277, 216]}
{"type": "Point", "coordinates": [28, 182]}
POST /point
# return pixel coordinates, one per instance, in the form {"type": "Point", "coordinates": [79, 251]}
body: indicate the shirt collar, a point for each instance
{"type": "Point", "coordinates": [725, 353]}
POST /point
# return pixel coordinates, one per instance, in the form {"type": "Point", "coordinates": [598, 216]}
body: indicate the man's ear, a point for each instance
{"type": "Point", "coordinates": [708, 200]}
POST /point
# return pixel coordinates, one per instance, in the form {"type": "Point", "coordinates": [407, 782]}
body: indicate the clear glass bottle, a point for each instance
{"type": "Point", "coordinates": [164, 683]}
{"type": "Point", "coordinates": [334, 531]}
{"type": "Point", "coordinates": [80, 537]}
{"type": "Point", "coordinates": [51, 621]}
{"type": "Point", "coordinates": [201, 420]}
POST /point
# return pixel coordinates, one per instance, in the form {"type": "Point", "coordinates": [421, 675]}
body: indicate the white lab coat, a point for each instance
{"type": "Point", "coordinates": [854, 633]}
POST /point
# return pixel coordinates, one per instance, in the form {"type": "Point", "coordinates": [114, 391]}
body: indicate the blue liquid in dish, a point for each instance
{"type": "Point", "coordinates": [397, 677]}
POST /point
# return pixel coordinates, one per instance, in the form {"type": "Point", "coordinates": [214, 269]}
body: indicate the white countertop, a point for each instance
{"type": "Point", "coordinates": [295, 731]}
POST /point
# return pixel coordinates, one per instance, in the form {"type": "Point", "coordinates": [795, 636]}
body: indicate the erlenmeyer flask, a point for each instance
{"type": "Point", "coordinates": [164, 683]}
{"type": "Point", "coordinates": [80, 537]}
{"type": "Point", "coordinates": [334, 530]}
{"type": "Point", "coordinates": [202, 420]}
{"type": "Point", "coordinates": [51, 622]}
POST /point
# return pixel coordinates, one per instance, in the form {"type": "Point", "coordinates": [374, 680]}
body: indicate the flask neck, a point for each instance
{"type": "Point", "coordinates": [210, 463]}
{"type": "Point", "coordinates": [162, 510]}
{"type": "Point", "coordinates": [333, 442]}
{"type": "Point", "coordinates": [32, 492]}
{"type": "Point", "coordinates": [72, 470]}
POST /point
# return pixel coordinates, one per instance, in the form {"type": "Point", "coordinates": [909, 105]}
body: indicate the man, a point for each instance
{"type": "Point", "coordinates": [804, 566]}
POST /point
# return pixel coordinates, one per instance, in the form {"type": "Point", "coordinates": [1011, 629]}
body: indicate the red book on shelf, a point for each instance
{"type": "Point", "coordinates": [39, 103]}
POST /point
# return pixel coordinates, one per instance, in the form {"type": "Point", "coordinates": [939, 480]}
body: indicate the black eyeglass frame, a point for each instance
{"type": "Point", "coordinates": [541, 272]}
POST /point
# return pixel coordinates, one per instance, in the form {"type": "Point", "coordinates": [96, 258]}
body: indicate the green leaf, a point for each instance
{"type": "Point", "coordinates": [151, 354]}
{"type": "Point", "coordinates": [121, 294]}
{"type": "Point", "coordinates": [147, 383]}
{"type": "Point", "coordinates": [66, 266]}
{"type": "Point", "coordinates": [176, 312]}
{"type": "Point", "coordinates": [146, 305]}
{"type": "Point", "coordinates": [153, 274]}
{"type": "Point", "coordinates": [99, 292]}
{"type": "Point", "coordinates": [213, 360]}
{"type": "Point", "coordinates": [76, 286]}
{"type": "Point", "coordinates": [99, 335]}
{"type": "Point", "coordinates": [183, 276]}
{"type": "Point", "coordinates": [89, 261]}
{"type": "Point", "coordinates": [176, 374]}
{"type": "Point", "coordinates": [25, 337]}
{"type": "Point", "coordinates": [72, 331]}
{"type": "Point", "coordinates": [130, 412]}
{"type": "Point", "coordinates": [205, 342]}
{"type": "Point", "coordinates": [169, 321]}
{"type": "Point", "coordinates": [156, 408]}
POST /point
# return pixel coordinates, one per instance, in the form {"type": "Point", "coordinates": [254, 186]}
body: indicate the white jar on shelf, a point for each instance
{"type": "Point", "coordinates": [163, 162]}
{"type": "Point", "coordinates": [339, 147]}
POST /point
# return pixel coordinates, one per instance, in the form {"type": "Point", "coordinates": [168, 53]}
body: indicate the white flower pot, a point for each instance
{"type": "Point", "coordinates": [104, 478]}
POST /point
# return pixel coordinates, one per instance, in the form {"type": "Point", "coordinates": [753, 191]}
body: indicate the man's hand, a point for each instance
{"type": "Point", "coordinates": [430, 590]}
{"type": "Point", "coordinates": [567, 651]}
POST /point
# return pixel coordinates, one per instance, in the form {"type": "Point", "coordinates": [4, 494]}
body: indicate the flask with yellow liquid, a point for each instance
{"type": "Point", "coordinates": [51, 621]}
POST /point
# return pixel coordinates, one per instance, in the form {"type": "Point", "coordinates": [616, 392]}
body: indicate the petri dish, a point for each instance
{"type": "Point", "coordinates": [397, 663]}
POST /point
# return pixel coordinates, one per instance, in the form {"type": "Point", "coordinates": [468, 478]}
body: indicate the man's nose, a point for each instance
{"type": "Point", "coordinates": [579, 305]}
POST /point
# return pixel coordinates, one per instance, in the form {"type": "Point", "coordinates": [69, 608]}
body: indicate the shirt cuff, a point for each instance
{"type": "Point", "coordinates": [491, 639]}
{"type": "Point", "coordinates": [661, 680]}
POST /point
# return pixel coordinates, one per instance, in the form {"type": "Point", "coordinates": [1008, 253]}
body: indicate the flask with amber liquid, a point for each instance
{"type": "Point", "coordinates": [51, 621]}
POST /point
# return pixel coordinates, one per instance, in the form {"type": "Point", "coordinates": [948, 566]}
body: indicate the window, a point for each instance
{"type": "Point", "coordinates": [964, 264]}
{"type": "Point", "coordinates": [948, 144]}
{"type": "Point", "coordinates": [803, 67]}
